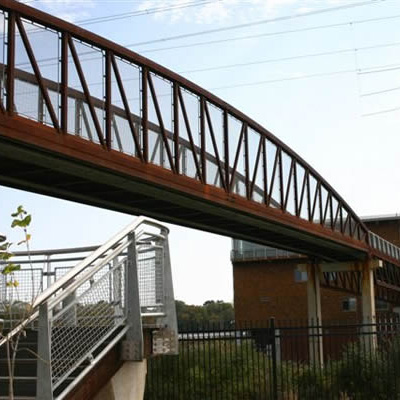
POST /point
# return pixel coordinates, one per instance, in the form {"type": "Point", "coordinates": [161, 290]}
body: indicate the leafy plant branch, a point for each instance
{"type": "Point", "coordinates": [16, 310]}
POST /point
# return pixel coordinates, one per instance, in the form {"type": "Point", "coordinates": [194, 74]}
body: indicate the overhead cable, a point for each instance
{"type": "Point", "coordinates": [260, 22]}
{"type": "Point", "coordinates": [268, 34]}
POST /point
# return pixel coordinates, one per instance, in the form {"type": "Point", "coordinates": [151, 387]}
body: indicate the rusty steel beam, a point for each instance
{"type": "Point", "coordinates": [10, 62]}
{"type": "Point", "coordinates": [321, 218]}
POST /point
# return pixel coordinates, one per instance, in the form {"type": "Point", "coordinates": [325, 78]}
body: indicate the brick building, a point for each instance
{"type": "Point", "coordinates": [268, 284]}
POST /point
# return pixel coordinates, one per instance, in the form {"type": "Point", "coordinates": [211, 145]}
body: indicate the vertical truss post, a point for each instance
{"type": "Point", "coordinates": [64, 82]}
{"type": "Point", "coordinates": [314, 314]}
{"type": "Point", "coordinates": [203, 139]}
{"type": "Point", "coordinates": [44, 389]}
{"type": "Point", "coordinates": [175, 105]}
{"type": "Point", "coordinates": [246, 161]}
{"type": "Point", "coordinates": [368, 306]}
{"type": "Point", "coordinates": [132, 347]}
{"type": "Point", "coordinates": [226, 149]}
{"type": "Point", "coordinates": [145, 115]}
{"type": "Point", "coordinates": [10, 62]}
{"type": "Point", "coordinates": [108, 94]}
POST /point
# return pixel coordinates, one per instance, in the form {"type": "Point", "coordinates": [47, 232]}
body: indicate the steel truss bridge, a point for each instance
{"type": "Point", "coordinates": [84, 119]}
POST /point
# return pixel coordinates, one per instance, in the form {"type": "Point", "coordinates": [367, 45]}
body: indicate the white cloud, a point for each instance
{"type": "Point", "coordinates": [217, 11]}
{"type": "Point", "coordinates": [69, 10]}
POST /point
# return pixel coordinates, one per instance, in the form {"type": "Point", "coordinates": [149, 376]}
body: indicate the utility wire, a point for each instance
{"type": "Point", "coordinates": [278, 80]}
{"type": "Point", "coordinates": [292, 78]}
{"type": "Point", "coordinates": [260, 35]}
{"type": "Point", "coordinates": [291, 58]}
{"type": "Point", "coordinates": [256, 23]}
{"type": "Point", "coordinates": [380, 91]}
{"type": "Point", "coordinates": [148, 11]}
{"type": "Point", "coordinates": [132, 14]}
{"type": "Point", "coordinates": [381, 70]}
{"type": "Point", "coordinates": [47, 62]}
{"type": "Point", "coordinates": [389, 110]}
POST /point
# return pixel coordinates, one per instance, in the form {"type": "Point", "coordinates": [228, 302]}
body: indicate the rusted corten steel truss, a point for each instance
{"type": "Point", "coordinates": [386, 279]}
{"type": "Point", "coordinates": [85, 119]}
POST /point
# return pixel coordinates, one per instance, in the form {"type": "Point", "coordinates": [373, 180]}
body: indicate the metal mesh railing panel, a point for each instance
{"type": "Point", "coordinates": [85, 320]}
{"type": "Point", "coordinates": [150, 272]}
{"type": "Point", "coordinates": [30, 284]}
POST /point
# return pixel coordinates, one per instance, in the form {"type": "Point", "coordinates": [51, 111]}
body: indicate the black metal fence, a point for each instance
{"type": "Point", "coordinates": [281, 361]}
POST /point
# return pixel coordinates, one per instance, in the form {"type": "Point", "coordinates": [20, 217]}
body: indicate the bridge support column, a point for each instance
{"type": "Point", "coordinates": [368, 305]}
{"type": "Point", "coordinates": [128, 383]}
{"type": "Point", "coordinates": [314, 314]}
{"type": "Point", "coordinates": [132, 346]}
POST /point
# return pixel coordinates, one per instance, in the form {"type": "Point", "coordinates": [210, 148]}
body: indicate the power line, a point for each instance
{"type": "Point", "coordinates": [47, 62]}
{"type": "Point", "coordinates": [256, 23]}
{"type": "Point", "coordinates": [256, 36]}
{"type": "Point", "coordinates": [278, 80]}
{"type": "Point", "coordinates": [381, 70]}
{"type": "Point", "coordinates": [148, 11]}
{"type": "Point", "coordinates": [291, 58]}
{"type": "Point", "coordinates": [380, 91]}
{"type": "Point", "coordinates": [389, 110]}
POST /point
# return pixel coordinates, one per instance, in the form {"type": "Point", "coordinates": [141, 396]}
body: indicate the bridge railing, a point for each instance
{"type": "Point", "coordinates": [41, 268]}
{"type": "Point", "coordinates": [82, 84]}
{"type": "Point", "coordinates": [384, 246]}
{"type": "Point", "coordinates": [112, 293]}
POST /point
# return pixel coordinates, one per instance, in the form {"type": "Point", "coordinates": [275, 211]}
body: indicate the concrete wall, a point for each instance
{"type": "Point", "coordinates": [127, 384]}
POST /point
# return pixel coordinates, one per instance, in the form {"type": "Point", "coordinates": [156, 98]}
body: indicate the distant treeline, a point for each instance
{"type": "Point", "coordinates": [211, 311]}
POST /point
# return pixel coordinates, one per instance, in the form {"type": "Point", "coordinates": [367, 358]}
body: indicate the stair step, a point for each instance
{"type": "Point", "coordinates": [23, 386]}
{"type": "Point", "coordinates": [25, 350]}
{"type": "Point", "coordinates": [23, 367]}
{"type": "Point", "coordinates": [18, 398]}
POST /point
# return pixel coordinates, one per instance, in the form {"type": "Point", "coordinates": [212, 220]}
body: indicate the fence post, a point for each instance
{"type": "Point", "coordinates": [132, 347]}
{"type": "Point", "coordinates": [44, 389]}
{"type": "Point", "coordinates": [274, 360]}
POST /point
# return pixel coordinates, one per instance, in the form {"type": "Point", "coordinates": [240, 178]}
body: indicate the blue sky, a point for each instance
{"type": "Point", "coordinates": [312, 72]}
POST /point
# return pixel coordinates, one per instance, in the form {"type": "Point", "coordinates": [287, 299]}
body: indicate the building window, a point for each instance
{"type": "Point", "coordinates": [300, 276]}
{"type": "Point", "coordinates": [349, 304]}
{"type": "Point", "coordinates": [381, 305]}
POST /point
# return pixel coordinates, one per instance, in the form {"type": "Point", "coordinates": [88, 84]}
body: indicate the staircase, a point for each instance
{"type": "Point", "coordinates": [25, 368]}
{"type": "Point", "coordinates": [91, 319]}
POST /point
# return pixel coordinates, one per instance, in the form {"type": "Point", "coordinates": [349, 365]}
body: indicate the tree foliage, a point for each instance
{"type": "Point", "coordinates": [210, 311]}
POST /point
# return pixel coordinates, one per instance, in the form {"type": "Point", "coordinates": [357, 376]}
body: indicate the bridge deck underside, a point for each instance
{"type": "Point", "coordinates": [155, 192]}
{"type": "Point", "coordinates": [88, 120]}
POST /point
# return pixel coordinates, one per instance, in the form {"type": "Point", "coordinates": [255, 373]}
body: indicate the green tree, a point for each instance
{"type": "Point", "coordinates": [12, 309]}
{"type": "Point", "coordinates": [210, 312]}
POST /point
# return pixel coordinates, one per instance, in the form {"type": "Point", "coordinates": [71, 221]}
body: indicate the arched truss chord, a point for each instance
{"type": "Point", "coordinates": [83, 86]}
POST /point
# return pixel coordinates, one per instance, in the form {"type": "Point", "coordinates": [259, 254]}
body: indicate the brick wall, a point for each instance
{"type": "Point", "coordinates": [263, 290]}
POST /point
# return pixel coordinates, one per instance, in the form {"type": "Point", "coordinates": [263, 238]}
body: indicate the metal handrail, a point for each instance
{"type": "Point", "coordinates": [384, 246]}
{"type": "Point", "coordinates": [66, 283]}
{"type": "Point", "coordinates": [60, 283]}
